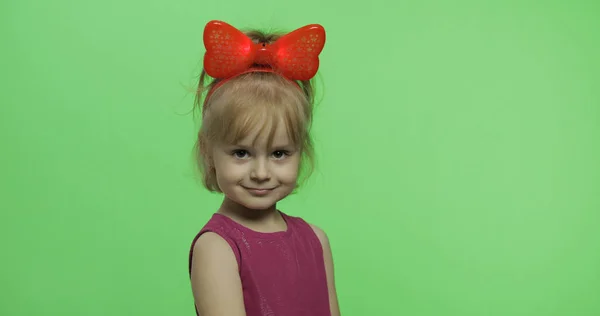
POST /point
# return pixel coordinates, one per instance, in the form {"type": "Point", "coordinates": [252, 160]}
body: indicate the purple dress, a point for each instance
{"type": "Point", "coordinates": [282, 273]}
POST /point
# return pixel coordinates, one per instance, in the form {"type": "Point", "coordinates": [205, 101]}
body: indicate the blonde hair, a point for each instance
{"type": "Point", "coordinates": [255, 99]}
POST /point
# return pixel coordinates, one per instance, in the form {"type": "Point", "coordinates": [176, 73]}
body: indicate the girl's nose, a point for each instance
{"type": "Point", "coordinates": [260, 170]}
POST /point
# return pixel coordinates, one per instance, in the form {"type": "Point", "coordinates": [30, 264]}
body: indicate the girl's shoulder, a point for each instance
{"type": "Point", "coordinates": [214, 239]}
{"type": "Point", "coordinates": [214, 267]}
{"type": "Point", "coordinates": [323, 239]}
{"type": "Point", "coordinates": [299, 221]}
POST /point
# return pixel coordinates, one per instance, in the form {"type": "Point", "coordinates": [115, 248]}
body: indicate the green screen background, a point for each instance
{"type": "Point", "coordinates": [458, 154]}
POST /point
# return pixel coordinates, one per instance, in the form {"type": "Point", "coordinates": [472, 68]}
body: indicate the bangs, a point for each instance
{"type": "Point", "coordinates": [258, 107]}
{"type": "Point", "coordinates": [262, 122]}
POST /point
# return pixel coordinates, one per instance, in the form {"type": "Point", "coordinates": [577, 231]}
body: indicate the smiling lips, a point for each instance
{"type": "Point", "coordinates": [259, 192]}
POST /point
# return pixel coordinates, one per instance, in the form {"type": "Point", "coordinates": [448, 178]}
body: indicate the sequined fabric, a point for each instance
{"type": "Point", "coordinates": [283, 273]}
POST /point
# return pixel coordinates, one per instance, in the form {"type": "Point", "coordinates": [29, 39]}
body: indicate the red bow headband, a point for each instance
{"type": "Point", "coordinates": [230, 53]}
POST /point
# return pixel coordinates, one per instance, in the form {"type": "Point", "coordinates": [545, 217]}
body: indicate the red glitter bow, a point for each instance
{"type": "Point", "coordinates": [229, 52]}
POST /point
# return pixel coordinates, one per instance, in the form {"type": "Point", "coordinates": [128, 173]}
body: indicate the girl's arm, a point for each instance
{"type": "Point", "coordinates": [215, 279]}
{"type": "Point", "coordinates": [333, 301]}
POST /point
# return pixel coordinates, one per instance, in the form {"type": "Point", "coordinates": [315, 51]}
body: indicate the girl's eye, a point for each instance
{"type": "Point", "coordinates": [280, 154]}
{"type": "Point", "coordinates": [240, 153]}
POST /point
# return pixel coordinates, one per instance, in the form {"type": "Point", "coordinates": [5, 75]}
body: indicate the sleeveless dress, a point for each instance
{"type": "Point", "coordinates": [282, 273]}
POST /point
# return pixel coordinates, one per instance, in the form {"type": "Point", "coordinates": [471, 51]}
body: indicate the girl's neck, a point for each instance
{"type": "Point", "coordinates": [267, 220]}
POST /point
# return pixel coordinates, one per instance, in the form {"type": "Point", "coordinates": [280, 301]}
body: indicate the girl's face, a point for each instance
{"type": "Point", "coordinates": [256, 176]}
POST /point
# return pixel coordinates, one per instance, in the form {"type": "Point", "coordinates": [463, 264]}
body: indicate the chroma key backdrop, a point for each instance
{"type": "Point", "coordinates": [458, 154]}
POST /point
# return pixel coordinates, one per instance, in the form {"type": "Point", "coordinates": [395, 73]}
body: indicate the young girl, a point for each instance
{"type": "Point", "coordinates": [251, 258]}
